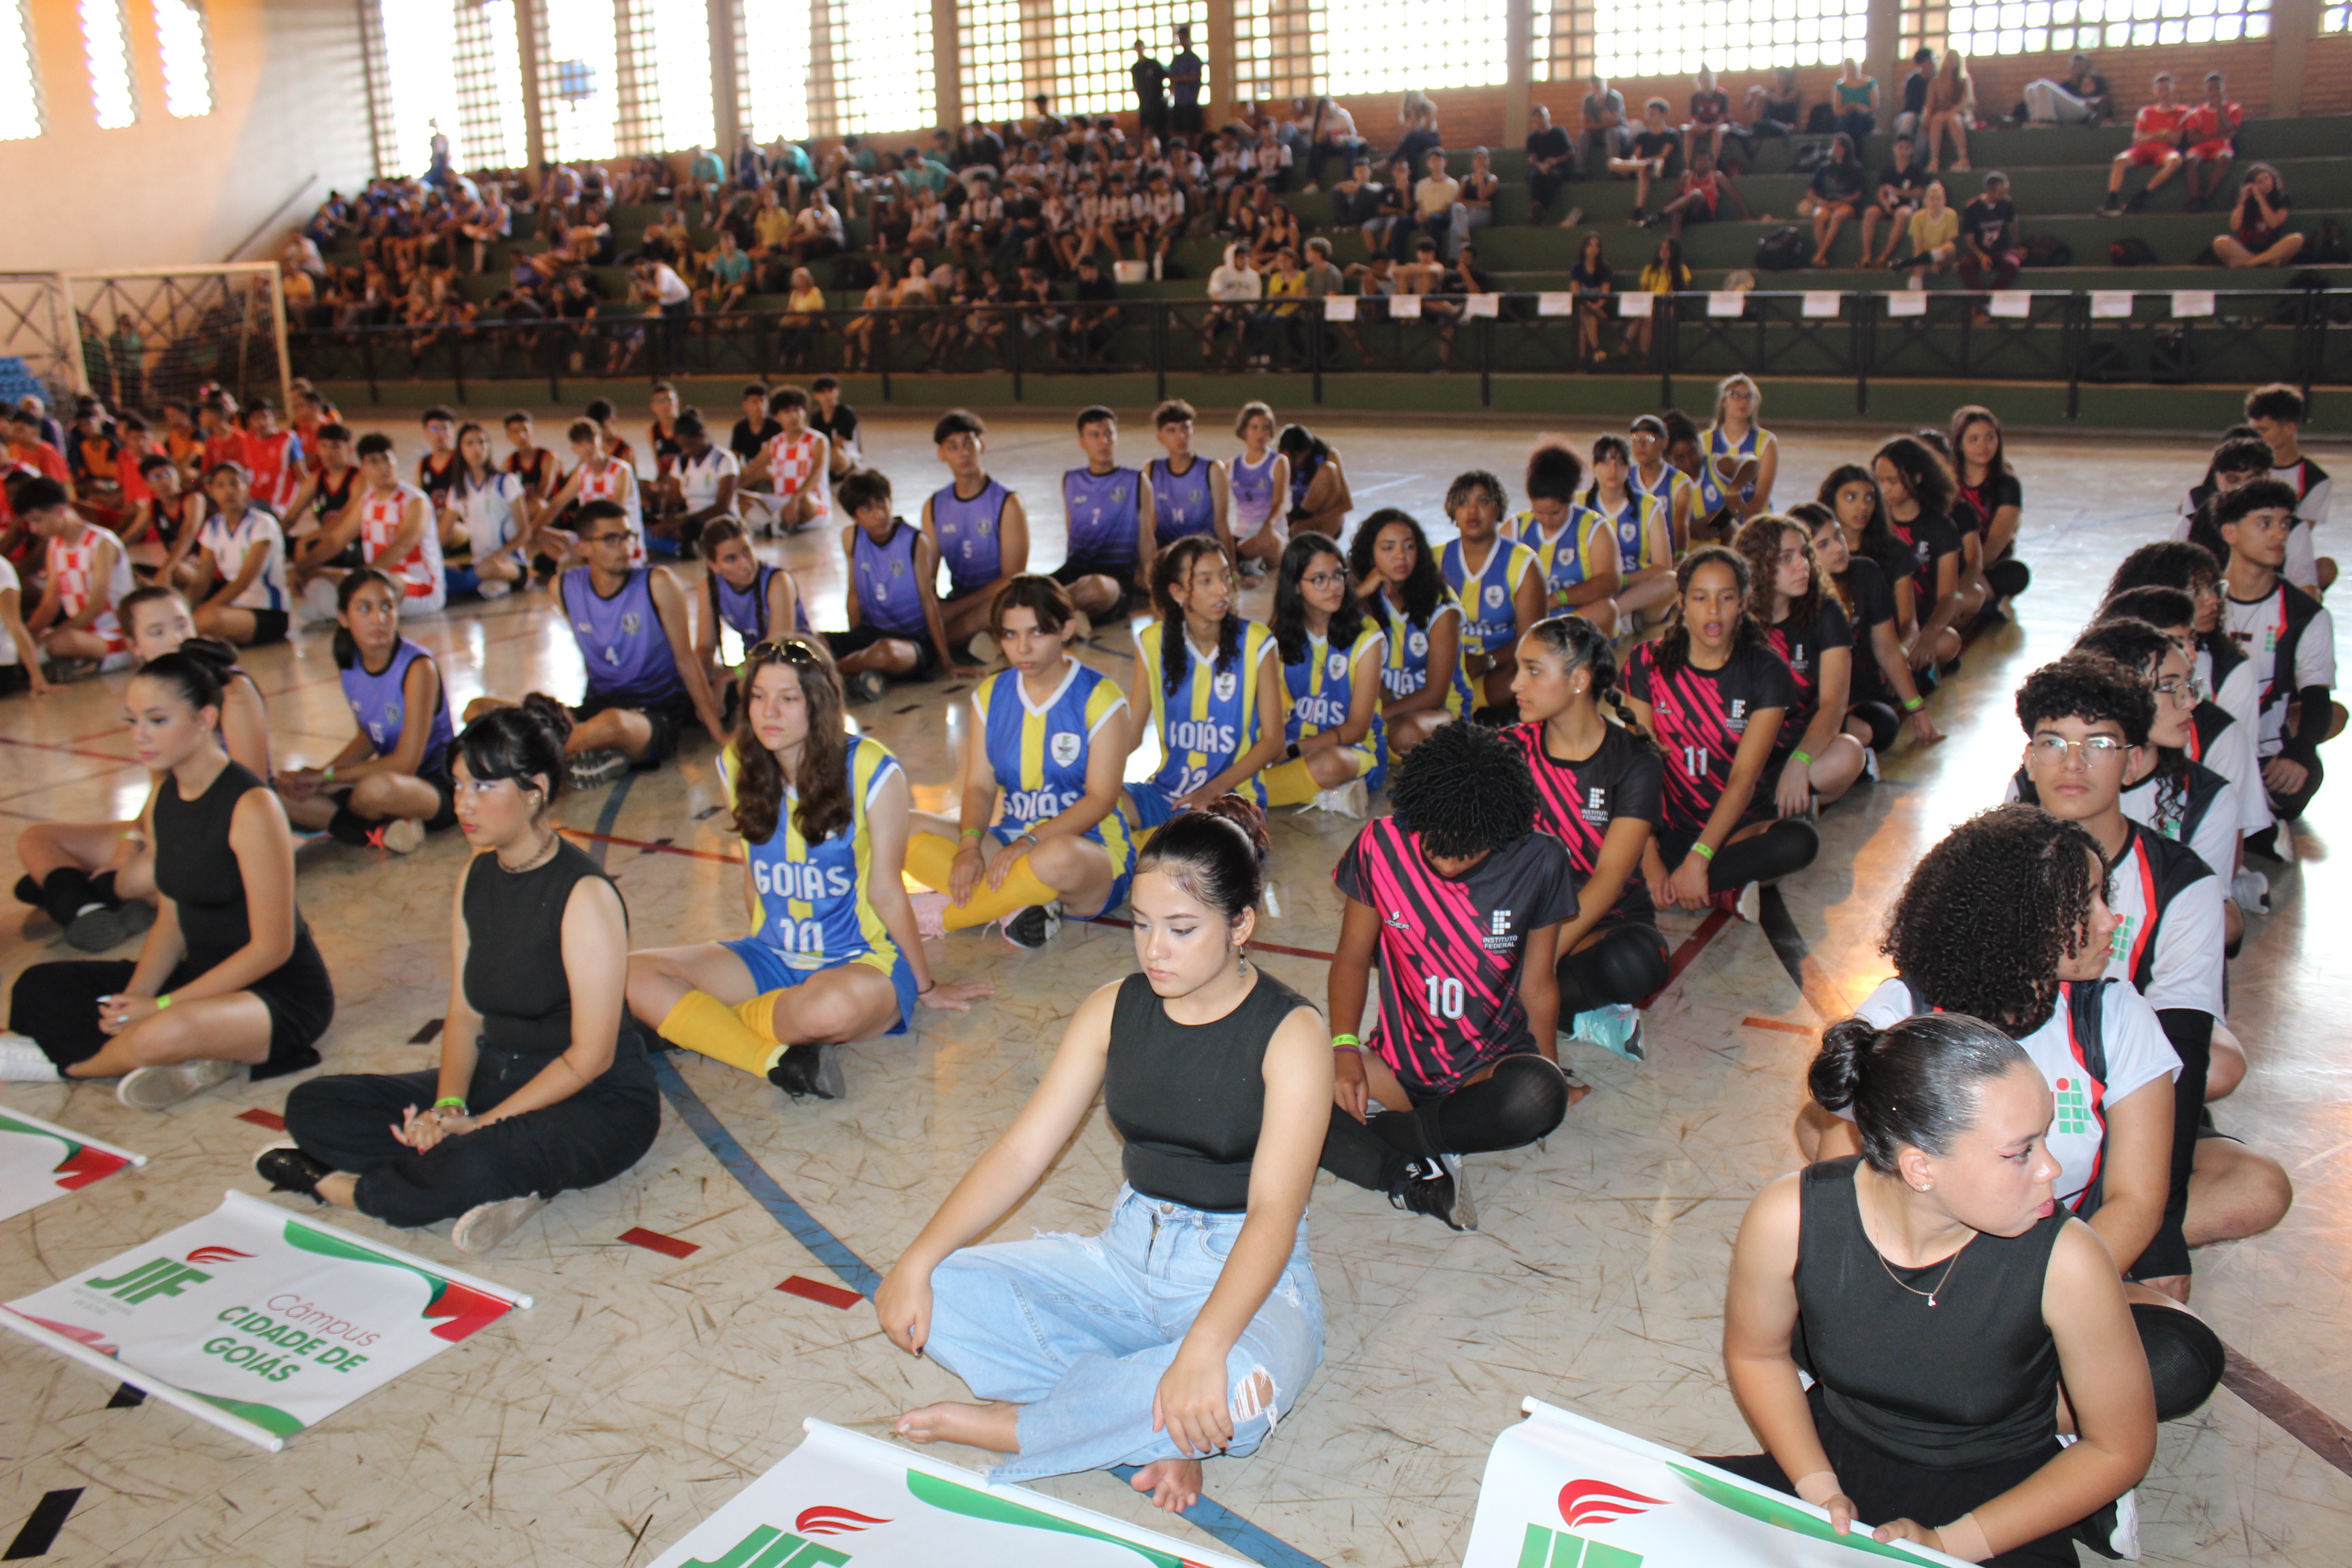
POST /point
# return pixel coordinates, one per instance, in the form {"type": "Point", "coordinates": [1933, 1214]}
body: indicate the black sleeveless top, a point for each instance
{"type": "Point", "coordinates": [1189, 1097]}
{"type": "Point", "coordinates": [196, 868]}
{"type": "Point", "coordinates": [1970, 1381]}
{"type": "Point", "coordinates": [514, 954]}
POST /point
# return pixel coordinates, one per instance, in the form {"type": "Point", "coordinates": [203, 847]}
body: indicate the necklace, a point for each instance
{"type": "Point", "coordinates": [538, 858]}
{"type": "Point", "coordinates": [1946, 1279]}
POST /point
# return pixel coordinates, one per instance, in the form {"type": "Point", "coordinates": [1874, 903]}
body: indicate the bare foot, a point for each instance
{"type": "Point", "coordinates": [1174, 1484]}
{"type": "Point", "coordinates": [1576, 1092]}
{"type": "Point", "coordinates": [992, 1426]}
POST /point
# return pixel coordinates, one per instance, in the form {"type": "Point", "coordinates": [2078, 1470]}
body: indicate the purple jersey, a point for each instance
{"type": "Point", "coordinates": [1102, 514]}
{"type": "Point", "coordinates": [971, 539]}
{"type": "Point", "coordinates": [888, 599]}
{"type": "Point", "coordinates": [746, 609]}
{"type": "Point", "coordinates": [622, 642]}
{"type": "Point", "coordinates": [1182, 504]}
{"type": "Point", "coordinates": [379, 701]}
{"type": "Point", "coordinates": [1451, 949]}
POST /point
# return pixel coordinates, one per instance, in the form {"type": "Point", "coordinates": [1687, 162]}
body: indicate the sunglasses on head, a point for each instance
{"type": "Point", "coordinates": [788, 650]}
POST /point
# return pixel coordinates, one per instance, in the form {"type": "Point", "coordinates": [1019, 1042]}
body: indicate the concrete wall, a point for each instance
{"type": "Point", "coordinates": [290, 114]}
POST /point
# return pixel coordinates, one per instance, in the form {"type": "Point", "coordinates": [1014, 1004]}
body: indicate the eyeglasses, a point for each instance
{"type": "Point", "coordinates": [797, 651]}
{"type": "Point", "coordinates": [2098, 751]}
{"type": "Point", "coordinates": [2181, 688]}
{"type": "Point", "coordinates": [1324, 579]}
{"type": "Point", "coordinates": [618, 537]}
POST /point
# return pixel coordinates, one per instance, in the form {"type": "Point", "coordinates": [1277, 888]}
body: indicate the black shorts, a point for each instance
{"type": "Point", "coordinates": [1119, 571]}
{"type": "Point", "coordinates": [857, 640]}
{"type": "Point", "coordinates": [269, 627]}
{"type": "Point", "coordinates": [670, 721]}
{"type": "Point", "coordinates": [445, 786]}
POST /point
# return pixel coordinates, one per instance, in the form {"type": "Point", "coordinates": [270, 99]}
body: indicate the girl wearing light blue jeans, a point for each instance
{"type": "Point", "coordinates": [1190, 1325]}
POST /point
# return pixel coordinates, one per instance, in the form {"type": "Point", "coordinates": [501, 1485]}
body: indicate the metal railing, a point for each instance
{"type": "Point", "coordinates": [2241, 337]}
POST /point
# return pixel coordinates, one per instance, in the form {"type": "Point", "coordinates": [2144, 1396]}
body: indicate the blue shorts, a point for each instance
{"type": "Point", "coordinates": [771, 973]}
{"type": "Point", "coordinates": [1122, 876]}
{"type": "Point", "coordinates": [1153, 804]}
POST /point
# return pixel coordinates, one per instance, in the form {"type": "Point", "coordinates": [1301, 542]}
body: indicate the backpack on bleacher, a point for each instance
{"type": "Point", "coordinates": [852, 273]}
{"type": "Point", "coordinates": [2131, 251]}
{"type": "Point", "coordinates": [1783, 250]}
{"type": "Point", "coordinates": [2048, 250]}
{"type": "Point", "coordinates": [2328, 245]}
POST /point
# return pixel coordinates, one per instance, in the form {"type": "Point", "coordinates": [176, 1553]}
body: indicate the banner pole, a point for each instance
{"type": "Point", "coordinates": [84, 1138]}
{"type": "Point", "coordinates": [247, 1201]}
{"type": "Point", "coordinates": [203, 1410]}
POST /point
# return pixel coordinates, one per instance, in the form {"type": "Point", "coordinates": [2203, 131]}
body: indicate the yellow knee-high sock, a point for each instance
{"type": "Point", "coordinates": [931, 858]}
{"type": "Point", "coordinates": [1290, 783]}
{"type": "Point", "coordinates": [707, 1026]}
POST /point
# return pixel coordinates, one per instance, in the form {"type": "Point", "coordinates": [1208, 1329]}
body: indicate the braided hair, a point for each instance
{"type": "Point", "coordinates": [1175, 566]}
{"type": "Point", "coordinates": [1464, 791]}
{"type": "Point", "coordinates": [1583, 645]}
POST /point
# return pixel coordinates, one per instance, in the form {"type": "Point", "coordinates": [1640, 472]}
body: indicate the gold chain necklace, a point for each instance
{"type": "Point", "coordinates": [1946, 1279]}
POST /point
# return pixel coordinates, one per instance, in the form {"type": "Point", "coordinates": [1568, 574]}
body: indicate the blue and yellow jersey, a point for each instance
{"type": "Point", "coordinates": [1570, 558]}
{"type": "Point", "coordinates": [1643, 530]}
{"type": "Point", "coordinates": [1405, 670]}
{"type": "Point", "coordinates": [1322, 684]}
{"type": "Point", "coordinates": [1212, 718]}
{"type": "Point", "coordinates": [1039, 752]}
{"type": "Point", "coordinates": [1489, 625]}
{"type": "Point", "coordinates": [1671, 486]}
{"type": "Point", "coordinates": [1713, 497]}
{"type": "Point", "coordinates": [813, 910]}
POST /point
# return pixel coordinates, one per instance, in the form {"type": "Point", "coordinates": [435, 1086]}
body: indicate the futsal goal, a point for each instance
{"type": "Point", "coordinates": [140, 337]}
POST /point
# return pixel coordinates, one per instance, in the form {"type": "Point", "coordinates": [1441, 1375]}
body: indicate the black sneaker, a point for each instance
{"type": "Point", "coordinates": [1033, 926]}
{"type": "Point", "coordinates": [808, 1070]}
{"type": "Point", "coordinates": [288, 1170]}
{"type": "Point", "coordinates": [867, 686]}
{"type": "Point", "coordinates": [1435, 1188]}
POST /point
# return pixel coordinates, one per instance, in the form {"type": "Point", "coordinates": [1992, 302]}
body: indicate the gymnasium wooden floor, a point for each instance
{"type": "Point", "coordinates": [643, 1391]}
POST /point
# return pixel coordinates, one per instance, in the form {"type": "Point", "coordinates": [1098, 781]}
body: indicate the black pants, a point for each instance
{"type": "Point", "coordinates": [1542, 186]}
{"type": "Point", "coordinates": [2291, 807]}
{"type": "Point", "coordinates": [1786, 847]}
{"type": "Point", "coordinates": [2008, 578]}
{"type": "Point", "coordinates": [582, 1141]}
{"type": "Point", "coordinates": [1525, 1098]}
{"type": "Point", "coordinates": [1626, 965]}
{"type": "Point", "coordinates": [1885, 724]}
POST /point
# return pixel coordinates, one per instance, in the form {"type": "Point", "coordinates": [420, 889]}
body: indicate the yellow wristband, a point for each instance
{"type": "Point", "coordinates": [162, 1002]}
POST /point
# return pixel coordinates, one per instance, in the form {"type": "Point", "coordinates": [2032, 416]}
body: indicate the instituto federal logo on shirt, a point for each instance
{"type": "Point", "coordinates": [1064, 746]}
{"type": "Point", "coordinates": [1596, 806]}
{"type": "Point", "coordinates": [1225, 685]}
{"type": "Point", "coordinates": [1336, 666]}
{"type": "Point", "coordinates": [1499, 936]}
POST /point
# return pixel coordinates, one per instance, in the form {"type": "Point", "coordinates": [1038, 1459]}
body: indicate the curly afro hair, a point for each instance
{"type": "Point", "coordinates": [2092, 688]}
{"type": "Point", "coordinates": [1464, 791]}
{"type": "Point", "coordinates": [1989, 913]}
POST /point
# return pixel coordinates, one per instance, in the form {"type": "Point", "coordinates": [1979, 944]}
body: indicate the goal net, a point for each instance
{"type": "Point", "coordinates": [142, 337]}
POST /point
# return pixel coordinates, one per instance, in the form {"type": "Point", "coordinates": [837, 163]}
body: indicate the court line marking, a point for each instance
{"type": "Point", "coordinates": [41, 1526]}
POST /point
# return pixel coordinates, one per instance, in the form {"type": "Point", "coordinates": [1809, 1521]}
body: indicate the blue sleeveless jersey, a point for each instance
{"type": "Point", "coordinates": [1182, 504]}
{"type": "Point", "coordinates": [1103, 515]}
{"type": "Point", "coordinates": [1489, 625]}
{"type": "Point", "coordinates": [1253, 490]}
{"type": "Point", "coordinates": [1406, 669]}
{"type": "Point", "coordinates": [887, 595]}
{"type": "Point", "coordinates": [1567, 560]}
{"type": "Point", "coordinates": [1322, 686]}
{"type": "Point", "coordinates": [970, 542]}
{"type": "Point", "coordinates": [380, 704]}
{"type": "Point", "coordinates": [1643, 529]}
{"type": "Point", "coordinates": [622, 642]}
{"type": "Point", "coordinates": [1212, 718]}
{"type": "Point", "coordinates": [1711, 491]}
{"type": "Point", "coordinates": [746, 609]}
{"type": "Point", "coordinates": [1672, 482]}
{"type": "Point", "coordinates": [1039, 753]}
{"type": "Point", "coordinates": [813, 908]}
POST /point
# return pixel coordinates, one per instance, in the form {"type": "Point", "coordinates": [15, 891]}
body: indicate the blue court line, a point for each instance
{"type": "Point", "coordinates": [610, 814]}
{"type": "Point", "coordinates": [1238, 1532]}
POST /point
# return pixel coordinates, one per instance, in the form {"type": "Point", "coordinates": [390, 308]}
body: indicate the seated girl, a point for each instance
{"type": "Point", "coordinates": [1331, 655]}
{"type": "Point", "coordinates": [1497, 580]}
{"type": "Point", "coordinates": [1210, 684]}
{"type": "Point", "coordinates": [1815, 761]}
{"type": "Point", "coordinates": [834, 955]}
{"type": "Point", "coordinates": [1053, 742]}
{"type": "Point", "coordinates": [1218, 1079]}
{"type": "Point", "coordinates": [543, 1083]}
{"type": "Point", "coordinates": [744, 595]}
{"type": "Point", "coordinates": [229, 977]}
{"type": "Point", "coordinates": [1459, 901]}
{"type": "Point", "coordinates": [389, 785]}
{"type": "Point", "coordinates": [1400, 585]}
{"type": "Point", "coordinates": [1881, 687]}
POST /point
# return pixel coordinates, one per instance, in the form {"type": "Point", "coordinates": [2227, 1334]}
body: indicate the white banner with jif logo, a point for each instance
{"type": "Point", "coordinates": [257, 1320]}
{"type": "Point", "coordinates": [40, 1160]}
{"type": "Point", "coordinates": [1561, 1491]}
{"type": "Point", "coordinates": [845, 1499]}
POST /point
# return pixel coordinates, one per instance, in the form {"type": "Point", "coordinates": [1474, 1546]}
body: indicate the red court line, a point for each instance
{"type": "Point", "coordinates": [1693, 945]}
{"type": "Point", "coordinates": [817, 1291]}
{"type": "Point", "coordinates": [1785, 1027]}
{"type": "Point", "coordinates": [269, 1118]}
{"type": "Point", "coordinates": [655, 1241]}
{"type": "Point", "coordinates": [651, 849]}
{"type": "Point", "coordinates": [70, 751]}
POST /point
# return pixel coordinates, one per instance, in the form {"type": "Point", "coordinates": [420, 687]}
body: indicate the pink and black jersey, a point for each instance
{"type": "Point", "coordinates": [1929, 537]}
{"type": "Point", "coordinates": [1800, 648]}
{"type": "Point", "coordinates": [1451, 949]}
{"type": "Point", "coordinates": [1700, 717]}
{"type": "Point", "coordinates": [1577, 802]}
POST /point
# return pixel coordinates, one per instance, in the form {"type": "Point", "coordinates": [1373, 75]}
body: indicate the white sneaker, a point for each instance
{"type": "Point", "coordinates": [983, 648]}
{"type": "Point", "coordinates": [594, 770]}
{"type": "Point", "coordinates": [155, 1089]}
{"type": "Point", "coordinates": [2250, 889]}
{"type": "Point", "coordinates": [1575, 215]}
{"type": "Point", "coordinates": [494, 588]}
{"type": "Point", "coordinates": [1752, 901]}
{"type": "Point", "coordinates": [486, 1225]}
{"type": "Point", "coordinates": [22, 1061]}
{"type": "Point", "coordinates": [1870, 764]}
{"type": "Point", "coordinates": [1616, 1028]}
{"type": "Point", "coordinates": [1350, 799]}
{"type": "Point", "coordinates": [403, 836]}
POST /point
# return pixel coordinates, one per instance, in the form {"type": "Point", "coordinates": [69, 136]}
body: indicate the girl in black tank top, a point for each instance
{"type": "Point", "coordinates": [1937, 1295]}
{"type": "Point", "coordinates": [1192, 1322]}
{"type": "Point", "coordinates": [229, 977]}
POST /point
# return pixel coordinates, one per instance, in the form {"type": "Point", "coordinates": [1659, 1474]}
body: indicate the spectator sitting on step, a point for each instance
{"type": "Point", "coordinates": [2081, 97]}
{"type": "Point", "coordinates": [2208, 141]}
{"type": "Point", "coordinates": [816, 229]}
{"type": "Point", "coordinates": [1710, 118]}
{"type": "Point", "coordinates": [1436, 208]}
{"type": "Point", "coordinates": [1357, 199]}
{"type": "Point", "coordinates": [1951, 108]}
{"type": "Point", "coordinates": [1419, 117]}
{"type": "Point", "coordinates": [2156, 144]}
{"type": "Point", "coordinates": [1990, 248]}
{"type": "Point", "coordinates": [2257, 234]}
{"type": "Point", "coordinates": [1651, 149]}
{"type": "Point", "coordinates": [1550, 161]}
{"type": "Point", "coordinates": [1909, 118]}
{"type": "Point", "coordinates": [1701, 191]}
{"type": "Point", "coordinates": [1778, 110]}
{"type": "Point", "coordinates": [1935, 231]}
{"type": "Point", "coordinates": [1833, 196]}
{"type": "Point", "coordinates": [1602, 132]}
{"type": "Point", "coordinates": [1329, 132]}
{"type": "Point", "coordinates": [1901, 186]}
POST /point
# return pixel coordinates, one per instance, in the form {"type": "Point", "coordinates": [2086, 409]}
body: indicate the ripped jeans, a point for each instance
{"type": "Point", "coordinates": [1077, 1329]}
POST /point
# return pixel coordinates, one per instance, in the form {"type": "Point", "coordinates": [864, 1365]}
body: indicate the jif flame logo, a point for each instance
{"type": "Point", "coordinates": [1598, 1503]}
{"type": "Point", "coordinates": [215, 1254]}
{"type": "Point", "coordinates": [825, 1520]}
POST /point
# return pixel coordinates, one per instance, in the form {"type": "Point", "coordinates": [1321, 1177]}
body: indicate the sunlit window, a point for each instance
{"type": "Point", "coordinates": [491, 133]}
{"type": "Point", "coordinates": [1274, 43]}
{"type": "Point", "coordinates": [1675, 37]}
{"type": "Point", "coordinates": [2335, 19]}
{"type": "Point", "coordinates": [881, 68]}
{"type": "Point", "coordinates": [20, 98]}
{"type": "Point", "coordinates": [108, 47]}
{"type": "Point", "coordinates": [420, 41]}
{"type": "Point", "coordinates": [776, 67]}
{"type": "Point", "coordinates": [1079, 51]}
{"type": "Point", "coordinates": [578, 97]}
{"type": "Point", "coordinates": [2059, 25]}
{"type": "Point", "coordinates": [1403, 46]}
{"type": "Point", "coordinates": [994, 74]}
{"type": "Point", "coordinates": [662, 63]}
{"type": "Point", "coordinates": [187, 63]}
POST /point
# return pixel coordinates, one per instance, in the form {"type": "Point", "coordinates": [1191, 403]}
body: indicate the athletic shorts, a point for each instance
{"type": "Point", "coordinates": [857, 640]}
{"type": "Point", "coordinates": [1244, 527]}
{"type": "Point", "coordinates": [771, 973]}
{"type": "Point", "coordinates": [1122, 876]}
{"type": "Point", "coordinates": [446, 787]}
{"type": "Point", "coordinates": [670, 722]}
{"type": "Point", "coordinates": [2146, 155]}
{"type": "Point", "coordinates": [2206, 152]}
{"type": "Point", "coordinates": [269, 627]}
{"type": "Point", "coordinates": [1151, 804]}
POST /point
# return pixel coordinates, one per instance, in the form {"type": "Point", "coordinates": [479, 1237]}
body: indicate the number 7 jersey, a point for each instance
{"type": "Point", "coordinates": [1453, 949]}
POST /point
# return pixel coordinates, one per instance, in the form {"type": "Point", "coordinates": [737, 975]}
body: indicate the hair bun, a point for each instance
{"type": "Point", "coordinates": [551, 714]}
{"type": "Point", "coordinates": [212, 650]}
{"type": "Point", "coordinates": [1243, 814]}
{"type": "Point", "coordinates": [1835, 1076]}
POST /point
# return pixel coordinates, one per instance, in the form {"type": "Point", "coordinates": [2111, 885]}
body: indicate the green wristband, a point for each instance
{"type": "Point", "coordinates": [1701, 851]}
{"type": "Point", "coordinates": [1913, 704]}
{"type": "Point", "coordinates": [973, 832]}
{"type": "Point", "coordinates": [448, 1100]}
{"type": "Point", "coordinates": [1801, 759]}
{"type": "Point", "coordinates": [1346, 1043]}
